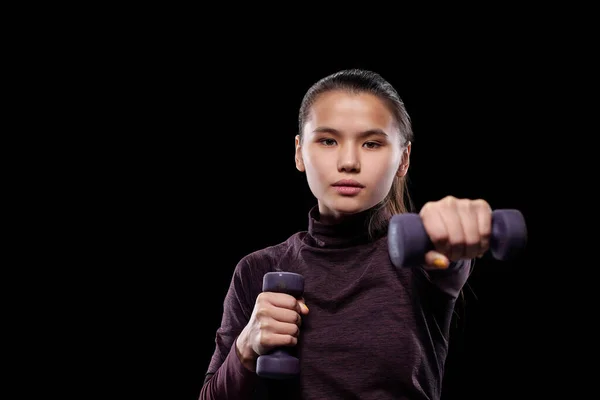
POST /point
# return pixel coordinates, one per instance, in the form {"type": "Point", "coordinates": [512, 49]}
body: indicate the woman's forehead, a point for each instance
{"type": "Point", "coordinates": [343, 111]}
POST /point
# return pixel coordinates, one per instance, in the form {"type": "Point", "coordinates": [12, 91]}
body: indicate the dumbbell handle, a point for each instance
{"type": "Point", "coordinates": [408, 241]}
{"type": "Point", "coordinates": [279, 364]}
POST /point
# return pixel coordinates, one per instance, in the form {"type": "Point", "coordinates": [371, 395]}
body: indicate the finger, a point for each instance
{"type": "Point", "coordinates": [436, 229]}
{"type": "Point", "coordinates": [284, 315]}
{"type": "Point", "coordinates": [302, 307]}
{"type": "Point", "coordinates": [470, 226]}
{"type": "Point", "coordinates": [282, 300]}
{"type": "Point", "coordinates": [435, 260]}
{"type": "Point", "coordinates": [272, 326]}
{"type": "Point", "coordinates": [277, 340]}
{"type": "Point", "coordinates": [484, 223]}
{"type": "Point", "coordinates": [456, 235]}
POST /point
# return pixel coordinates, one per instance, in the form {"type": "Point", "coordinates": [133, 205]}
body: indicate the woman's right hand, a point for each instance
{"type": "Point", "coordinates": [275, 322]}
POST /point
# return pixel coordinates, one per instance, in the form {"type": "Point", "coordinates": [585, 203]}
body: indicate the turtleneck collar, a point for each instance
{"type": "Point", "coordinates": [350, 232]}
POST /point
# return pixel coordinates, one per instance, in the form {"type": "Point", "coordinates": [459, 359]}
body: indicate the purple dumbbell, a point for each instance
{"type": "Point", "coordinates": [408, 241]}
{"type": "Point", "coordinates": [279, 364]}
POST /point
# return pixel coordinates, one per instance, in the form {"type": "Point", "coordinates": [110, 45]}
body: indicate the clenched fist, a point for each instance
{"type": "Point", "coordinates": [458, 228]}
{"type": "Point", "coordinates": [275, 322]}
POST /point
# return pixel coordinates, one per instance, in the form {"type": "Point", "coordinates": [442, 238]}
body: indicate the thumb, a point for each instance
{"type": "Point", "coordinates": [435, 260]}
{"type": "Point", "coordinates": [302, 308]}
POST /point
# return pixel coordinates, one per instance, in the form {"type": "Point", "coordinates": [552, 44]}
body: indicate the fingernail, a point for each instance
{"type": "Point", "coordinates": [305, 306]}
{"type": "Point", "coordinates": [440, 262]}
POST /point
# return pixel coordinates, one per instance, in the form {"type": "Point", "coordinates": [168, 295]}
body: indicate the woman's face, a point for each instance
{"type": "Point", "coordinates": [350, 152]}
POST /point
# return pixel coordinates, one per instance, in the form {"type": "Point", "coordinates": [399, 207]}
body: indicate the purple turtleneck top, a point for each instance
{"type": "Point", "coordinates": [373, 331]}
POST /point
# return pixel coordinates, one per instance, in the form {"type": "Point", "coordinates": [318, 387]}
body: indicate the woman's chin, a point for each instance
{"type": "Point", "coordinates": [347, 206]}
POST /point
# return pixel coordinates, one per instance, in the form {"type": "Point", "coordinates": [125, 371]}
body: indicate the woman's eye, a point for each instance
{"type": "Point", "coordinates": [327, 142]}
{"type": "Point", "coordinates": [372, 145]}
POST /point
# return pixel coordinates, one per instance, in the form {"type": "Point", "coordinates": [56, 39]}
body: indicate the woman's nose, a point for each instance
{"type": "Point", "coordinates": [348, 161]}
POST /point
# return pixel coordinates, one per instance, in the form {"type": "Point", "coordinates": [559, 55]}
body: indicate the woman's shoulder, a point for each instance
{"type": "Point", "coordinates": [272, 257]}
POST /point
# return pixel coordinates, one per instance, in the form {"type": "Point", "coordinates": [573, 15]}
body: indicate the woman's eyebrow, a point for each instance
{"type": "Point", "coordinates": [369, 132]}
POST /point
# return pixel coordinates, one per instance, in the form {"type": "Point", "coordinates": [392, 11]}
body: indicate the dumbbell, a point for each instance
{"type": "Point", "coordinates": [279, 363]}
{"type": "Point", "coordinates": [408, 241]}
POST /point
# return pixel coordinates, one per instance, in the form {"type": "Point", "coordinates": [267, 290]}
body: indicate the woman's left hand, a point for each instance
{"type": "Point", "coordinates": [459, 229]}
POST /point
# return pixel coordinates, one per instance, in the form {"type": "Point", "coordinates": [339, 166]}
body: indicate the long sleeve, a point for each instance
{"type": "Point", "coordinates": [451, 280]}
{"type": "Point", "coordinates": [227, 378]}
{"type": "Point", "coordinates": [231, 381]}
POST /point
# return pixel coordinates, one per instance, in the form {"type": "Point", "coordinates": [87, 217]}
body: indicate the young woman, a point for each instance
{"type": "Point", "coordinates": [363, 329]}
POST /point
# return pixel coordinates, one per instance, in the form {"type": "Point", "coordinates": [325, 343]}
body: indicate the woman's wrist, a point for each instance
{"type": "Point", "coordinates": [246, 355]}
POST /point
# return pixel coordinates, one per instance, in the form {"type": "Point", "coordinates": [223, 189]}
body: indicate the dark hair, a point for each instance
{"type": "Point", "coordinates": [363, 81]}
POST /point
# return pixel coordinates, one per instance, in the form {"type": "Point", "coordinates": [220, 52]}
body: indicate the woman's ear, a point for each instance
{"type": "Point", "coordinates": [405, 162]}
{"type": "Point", "coordinates": [299, 160]}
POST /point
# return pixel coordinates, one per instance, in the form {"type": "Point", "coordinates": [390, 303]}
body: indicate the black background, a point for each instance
{"type": "Point", "coordinates": [202, 173]}
{"type": "Point", "coordinates": [221, 182]}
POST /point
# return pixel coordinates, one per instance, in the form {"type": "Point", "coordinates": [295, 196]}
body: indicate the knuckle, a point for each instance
{"type": "Point", "coordinates": [464, 204]}
{"type": "Point", "coordinates": [449, 201]}
{"type": "Point", "coordinates": [262, 297]}
{"type": "Point", "coordinates": [425, 209]}
{"type": "Point", "coordinates": [480, 204]}
{"type": "Point", "coordinates": [263, 338]}
{"type": "Point", "coordinates": [261, 312]}
{"type": "Point", "coordinates": [264, 325]}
